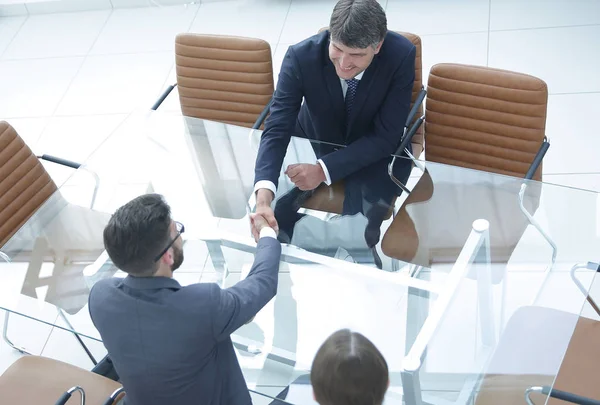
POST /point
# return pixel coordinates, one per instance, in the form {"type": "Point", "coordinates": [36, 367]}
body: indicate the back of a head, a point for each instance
{"type": "Point", "coordinates": [358, 23]}
{"type": "Point", "coordinates": [136, 233]}
{"type": "Point", "coordinates": [349, 370]}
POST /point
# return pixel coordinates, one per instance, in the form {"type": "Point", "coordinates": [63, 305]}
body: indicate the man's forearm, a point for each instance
{"type": "Point", "coordinates": [264, 197]}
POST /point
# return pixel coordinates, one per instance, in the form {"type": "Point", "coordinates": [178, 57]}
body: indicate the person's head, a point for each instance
{"type": "Point", "coordinates": [349, 370]}
{"type": "Point", "coordinates": [357, 29]}
{"type": "Point", "coordinates": [141, 238]}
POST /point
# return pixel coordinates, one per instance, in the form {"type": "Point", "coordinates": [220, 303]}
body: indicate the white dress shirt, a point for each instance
{"type": "Point", "coordinates": [269, 185]}
{"type": "Point", "coordinates": [267, 232]}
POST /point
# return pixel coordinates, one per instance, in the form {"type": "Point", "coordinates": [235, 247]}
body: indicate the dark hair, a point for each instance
{"type": "Point", "coordinates": [358, 23]}
{"type": "Point", "coordinates": [349, 370]}
{"type": "Point", "coordinates": [137, 232]}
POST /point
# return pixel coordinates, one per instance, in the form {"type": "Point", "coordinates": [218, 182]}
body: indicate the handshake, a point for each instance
{"type": "Point", "coordinates": [262, 218]}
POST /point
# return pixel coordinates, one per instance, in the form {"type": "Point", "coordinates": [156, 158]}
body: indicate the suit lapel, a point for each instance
{"type": "Point", "coordinates": [335, 93]}
{"type": "Point", "coordinates": [362, 92]}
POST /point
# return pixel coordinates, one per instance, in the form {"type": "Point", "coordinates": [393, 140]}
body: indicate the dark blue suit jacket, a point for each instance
{"type": "Point", "coordinates": [376, 124]}
{"type": "Point", "coordinates": [171, 344]}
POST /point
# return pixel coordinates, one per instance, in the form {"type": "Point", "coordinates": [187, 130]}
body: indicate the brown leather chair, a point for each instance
{"type": "Point", "coordinates": [223, 78]}
{"type": "Point", "coordinates": [478, 118]}
{"type": "Point", "coordinates": [35, 380]}
{"type": "Point", "coordinates": [331, 198]}
{"type": "Point", "coordinates": [58, 231]}
{"type": "Point", "coordinates": [536, 344]}
{"type": "Point", "coordinates": [24, 183]}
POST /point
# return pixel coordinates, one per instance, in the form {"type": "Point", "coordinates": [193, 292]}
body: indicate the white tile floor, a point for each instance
{"type": "Point", "coordinates": [58, 70]}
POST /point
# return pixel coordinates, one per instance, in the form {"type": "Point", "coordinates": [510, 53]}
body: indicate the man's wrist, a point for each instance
{"type": "Point", "coordinates": [264, 197]}
{"type": "Point", "coordinates": [322, 176]}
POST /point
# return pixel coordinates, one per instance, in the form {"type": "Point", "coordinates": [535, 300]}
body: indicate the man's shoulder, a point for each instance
{"type": "Point", "coordinates": [396, 46]}
{"type": "Point", "coordinates": [312, 45]}
{"type": "Point", "coordinates": [105, 286]}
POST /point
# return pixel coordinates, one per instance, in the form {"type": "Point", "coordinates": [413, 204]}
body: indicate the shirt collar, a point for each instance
{"type": "Point", "coordinates": [357, 77]}
{"type": "Point", "coordinates": [151, 283]}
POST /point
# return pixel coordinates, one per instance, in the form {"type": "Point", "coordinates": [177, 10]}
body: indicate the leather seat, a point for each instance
{"type": "Point", "coordinates": [331, 198]}
{"type": "Point", "coordinates": [35, 380]}
{"type": "Point", "coordinates": [478, 118]}
{"type": "Point", "coordinates": [24, 183]}
{"type": "Point", "coordinates": [223, 78]}
{"type": "Point", "coordinates": [536, 344]}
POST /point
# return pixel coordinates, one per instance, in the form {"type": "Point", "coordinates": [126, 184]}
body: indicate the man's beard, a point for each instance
{"type": "Point", "coordinates": [177, 258]}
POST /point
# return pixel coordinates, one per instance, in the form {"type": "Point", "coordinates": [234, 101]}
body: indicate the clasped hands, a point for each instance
{"type": "Point", "coordinates": [305, 176]}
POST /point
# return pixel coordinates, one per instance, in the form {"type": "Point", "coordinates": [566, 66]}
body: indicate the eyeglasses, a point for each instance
{"type": "Point", "coordinates": [180, 229]}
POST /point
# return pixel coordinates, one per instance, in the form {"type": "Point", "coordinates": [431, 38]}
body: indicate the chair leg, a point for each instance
{"type": "Point", "coordinates": [7, 340]}
{"type": "Point", "coordinates": [83, 346]}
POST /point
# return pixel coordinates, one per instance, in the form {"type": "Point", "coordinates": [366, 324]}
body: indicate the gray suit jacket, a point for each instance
{"type": "Point", "coordinates": [171, 344]}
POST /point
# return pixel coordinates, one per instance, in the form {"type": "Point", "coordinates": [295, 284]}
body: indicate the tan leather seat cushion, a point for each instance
{"type": "Point", "coordinates": [532, 350]}
{"type": "Point", "coordinates": [24, 183]}
{"type": "Point", "coordinates": [483, 118]}
{"type": "Point", "coordinates": [35, 380]}
{"type": "Point", "coordinates": [223, 78]}
{"type": "Point", "coordinates": [331, 199]}
{"type": "Point", "coordinates": [436, 219]}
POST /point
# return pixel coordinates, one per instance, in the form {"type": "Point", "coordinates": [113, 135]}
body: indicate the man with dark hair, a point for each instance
{"type": "Point", "coordinates": [171, 344]}
{"type": "Point", "coordinates": [349, 85]}
{"type": "Point", "coordinates": [348, 369]}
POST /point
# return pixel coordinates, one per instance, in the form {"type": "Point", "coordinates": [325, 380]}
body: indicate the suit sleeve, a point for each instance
{"type": "Point", "coordinates": [281, 122]}
{"type": "Point", "coordinates": [388, 127]}
{"type": "Point", "coordinates": [236, 305]}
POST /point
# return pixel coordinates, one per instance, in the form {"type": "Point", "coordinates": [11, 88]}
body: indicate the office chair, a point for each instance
{"type": "Point", "coordinates": [223, 78]}
{"type": "Point", "coordinates": [484, 119]}
{"type": "Point", "coordinates": [38, 225]}
{"type": "Point", "coordinates": [35, 380]}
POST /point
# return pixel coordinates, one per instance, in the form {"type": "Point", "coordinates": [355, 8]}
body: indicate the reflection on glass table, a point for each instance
{"type": "Point", "coordinates": [438, 325]}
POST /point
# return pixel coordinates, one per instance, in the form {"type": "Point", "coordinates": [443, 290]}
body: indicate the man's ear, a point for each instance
{"type": "Point", "coordinates": [378, 47]}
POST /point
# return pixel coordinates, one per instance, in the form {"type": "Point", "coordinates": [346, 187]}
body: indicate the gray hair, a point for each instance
{"type": "Point", "coordinates": [358, 23]}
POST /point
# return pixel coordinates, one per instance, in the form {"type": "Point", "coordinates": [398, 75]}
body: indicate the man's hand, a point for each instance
{"type": "Point", "coordinates": [306, 176]}
{"type": "Point", "coordinates": [264, 213]}
{"type": "Point", "coordinates": [258, 222]}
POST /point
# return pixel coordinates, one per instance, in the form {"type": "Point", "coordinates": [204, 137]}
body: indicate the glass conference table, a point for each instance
{"type": "Point", "coordinates": [460, 258]}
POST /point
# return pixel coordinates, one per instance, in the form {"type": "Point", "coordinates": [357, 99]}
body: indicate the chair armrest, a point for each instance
{"type": "Point", "coordinates": [163, 97]}
{"type": "Point", "coordinates": [537, 159]}
{"type": "Point", "coordinates": [263, 115]}
{"type": "Point", "coordinates": [60, 161]}
{"type": "Point", "coordinates": [76, 166]}
{"type": "Point", "coordinates": [114, 396]}
{"type": "Point", "coordinates": [415, 108]}
{"type": "Point", "coordinates": [562, 395]}
{"type": "Point", "coordinates": [67, 395]}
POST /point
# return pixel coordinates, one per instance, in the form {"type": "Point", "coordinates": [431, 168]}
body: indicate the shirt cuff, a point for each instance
{"type": "Point", "coordinates": [269, 185]}
{"type": "Point", "coordinates": [327, 178]}
{"type": "Point", "coordinates": [267, 232]}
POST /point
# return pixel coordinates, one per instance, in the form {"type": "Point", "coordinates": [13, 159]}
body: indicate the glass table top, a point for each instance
{"type": "Point", "coordinates": [437, 305]}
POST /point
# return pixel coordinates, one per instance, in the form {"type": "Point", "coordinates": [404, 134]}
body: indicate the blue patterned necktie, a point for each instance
{"type": "Point", "coordinates": [350, 93]}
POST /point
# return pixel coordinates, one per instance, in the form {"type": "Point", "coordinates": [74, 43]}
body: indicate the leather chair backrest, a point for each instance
{"type": "Point", "coordinates": [24, 183]}
{"type": "Point", "coordinates": [34, 380]}
{"type": "Point", "coordinates": [485, 119]}
{"type": "Point", "coordinates": [418, 137]}
{"type": "Point", "coordinates": [223, 78]}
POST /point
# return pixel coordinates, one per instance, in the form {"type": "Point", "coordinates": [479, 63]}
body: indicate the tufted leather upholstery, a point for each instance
{"type": "Point", "coordinates": [223, 78]}
{"type": "Point", "coordinates": [24, 183]}
{"type": "Point", "coordinates": [479, 118]}
{"type": "Point", "coordinates": [483, 118]}
{"type": "Point", "coordinates": [34, 380]}
{"type": "Point", "coordinates": [331, 199]}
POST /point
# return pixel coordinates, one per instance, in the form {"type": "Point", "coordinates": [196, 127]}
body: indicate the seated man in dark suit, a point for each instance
{"type": "Point", "coordinates": [171, 344]}
{"type": "Point", "coordinates": [350, 85]}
